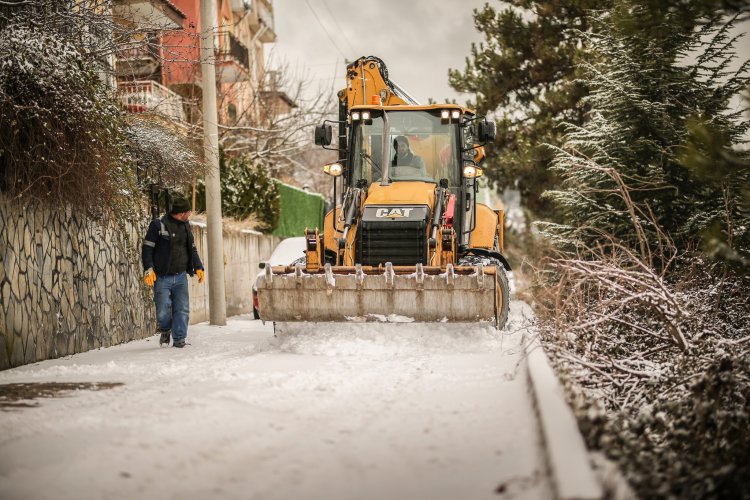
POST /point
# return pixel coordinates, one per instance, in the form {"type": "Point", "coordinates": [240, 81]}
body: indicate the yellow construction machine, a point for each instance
{"type": "Point", "coordinates": [408, 240]}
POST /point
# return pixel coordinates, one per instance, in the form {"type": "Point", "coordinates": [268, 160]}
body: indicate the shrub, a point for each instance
{"type": "Point", "coordinates": [246, 190]}
{"type": "Point", "coordinates": [63, 132]}
{"type": "Point", "coordinates": [673, 411]}
{"type": "Point", "coordinates": [164, 153]}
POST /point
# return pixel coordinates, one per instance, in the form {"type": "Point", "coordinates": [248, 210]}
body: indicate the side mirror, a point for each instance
{"type": "Point", "coordinates": [323, 135]}
{"type": "Point", "coordinates": [487, 131]}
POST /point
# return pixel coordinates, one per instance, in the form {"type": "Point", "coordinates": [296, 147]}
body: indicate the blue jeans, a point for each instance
{"type": "Point", "coordinates": [172, 304]}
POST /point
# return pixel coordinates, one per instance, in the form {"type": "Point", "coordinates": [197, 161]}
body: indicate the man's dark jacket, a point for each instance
{"type": "Point", "coordinates": [156, 251]}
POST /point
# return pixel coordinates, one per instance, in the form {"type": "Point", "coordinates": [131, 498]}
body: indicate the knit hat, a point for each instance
{"type": "Point", "coordinates": [179, 205]}
{"type": "Point", "coordinates": [400, 140]}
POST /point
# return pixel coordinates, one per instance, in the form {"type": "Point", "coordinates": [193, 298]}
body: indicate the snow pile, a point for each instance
{"type": "Point", "coordinates": [385, 340]}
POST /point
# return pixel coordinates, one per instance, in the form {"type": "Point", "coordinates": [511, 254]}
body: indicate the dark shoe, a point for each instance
{"type": "Point", "coordinates": [164, 337]}
{"type": "Point", "coordinates": [180, 344]}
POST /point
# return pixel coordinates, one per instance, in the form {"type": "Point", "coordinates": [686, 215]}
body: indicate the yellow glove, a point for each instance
{"type": "Point", "coordinates": [200, 275]}
{"type": "Point", "coordinates": [149, 278]}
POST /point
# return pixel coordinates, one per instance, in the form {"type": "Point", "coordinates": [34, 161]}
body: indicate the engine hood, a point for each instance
{"type": "Point", "coordinates": [402, 193]}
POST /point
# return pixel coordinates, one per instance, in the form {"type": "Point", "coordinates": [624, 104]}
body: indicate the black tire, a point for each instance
{"type": "Point", "coordinates": [502, 285]}
{"type": "Point", "coordinates": [502, 297]}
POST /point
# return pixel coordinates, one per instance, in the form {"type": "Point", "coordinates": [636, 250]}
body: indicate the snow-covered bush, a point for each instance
{"type": "Point", "coordinates": [62, 132]}
{"type": "Point", "coordinates": [164, 153]}
{"type": "Point", "coordinates": [676, 419]}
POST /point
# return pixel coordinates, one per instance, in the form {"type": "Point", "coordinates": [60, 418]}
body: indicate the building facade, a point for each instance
{"type": "Point", "coordinates": [160, 70]}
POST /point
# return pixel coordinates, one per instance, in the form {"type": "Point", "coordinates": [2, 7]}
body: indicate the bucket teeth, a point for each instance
{"type": "Point", "coordinates": [330, 281]}
{"type": "Point", "coordinates": [359, 276]}
{"type": "Point", "coordinates": [450, 276]}
{"type": "Point", "coordinates": [390, 275]}
{"type": "Point", "coordinates": [269, 275]}
{"type": "Point", "coordinates": [480, 275]}
{"type": "Point", "coordinates": [298, 274]}
{"type": "Point", "coordinates": [420, 276]}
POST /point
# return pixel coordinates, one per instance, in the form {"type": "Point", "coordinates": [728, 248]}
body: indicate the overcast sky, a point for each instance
{"type": "Point", "coordinates": [419, 40]}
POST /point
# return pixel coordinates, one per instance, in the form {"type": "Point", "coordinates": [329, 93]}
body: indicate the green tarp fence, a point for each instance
{"type": "Point", "coordinates": [299, 209]}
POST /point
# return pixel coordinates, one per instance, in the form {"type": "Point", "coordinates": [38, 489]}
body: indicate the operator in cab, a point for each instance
{"type": "Point", "coordinates": [405, 157]}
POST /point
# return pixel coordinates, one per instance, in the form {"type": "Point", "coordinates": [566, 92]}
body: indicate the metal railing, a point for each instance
{"type": "Point", "coordinates": [231, 48]}
{"type": "Point", "coordinates": [148, 95]}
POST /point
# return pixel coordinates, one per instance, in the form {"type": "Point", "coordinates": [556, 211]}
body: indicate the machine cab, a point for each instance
{"type": "Point", "coordinates": [418, 144]}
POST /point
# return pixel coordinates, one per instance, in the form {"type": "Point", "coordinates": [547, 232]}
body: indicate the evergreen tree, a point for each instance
{"type": "Point", "coordinates": [525, 72]}
{"type": "Point", "coordinates": [246, 190]}
{"type": "Point", "coordinates": [711, 158]}
{"type": "Point", "coordinates": [624, 171]}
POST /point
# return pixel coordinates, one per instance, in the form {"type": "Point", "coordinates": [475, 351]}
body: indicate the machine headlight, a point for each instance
{"type": "Point", "coordinates": [472, 172]}
{"type": "Point", "coordinates": [333, 169]}
{"type": "Point", "coordinates": [355, 115]}
{"type": "Point", "coordinates": [455, 114]}
{"type": "Point", "coordinates": [365, 115]}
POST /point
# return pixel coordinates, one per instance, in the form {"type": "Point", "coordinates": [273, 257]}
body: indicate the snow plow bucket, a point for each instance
{"type": "Point", "coordinates": [384, 293]}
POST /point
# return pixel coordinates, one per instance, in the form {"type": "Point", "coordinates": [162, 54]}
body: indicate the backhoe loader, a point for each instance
{"type": "Point", "coordinates": [408, 240]}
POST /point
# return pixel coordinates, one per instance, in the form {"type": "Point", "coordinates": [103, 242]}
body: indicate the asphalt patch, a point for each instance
{"type": "Point", "coordinates": [25, 395]}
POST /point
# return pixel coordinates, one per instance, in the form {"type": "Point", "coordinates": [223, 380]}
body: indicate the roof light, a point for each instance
{"type": "Point", "coordinates": [472, 172]}
{"type": "Point", "coordinates": [445, 114]}
{"type": "Point", "coordinates": [455, 114]}
{"type": "Point", "coordinates": [333, 169]}
{"type": "Point", "coordinates": [355, 115]}
{"type": "Point", "coordinates": [365, 115]}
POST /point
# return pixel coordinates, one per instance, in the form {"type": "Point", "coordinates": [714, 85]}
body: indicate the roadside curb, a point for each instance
{"type": "Point", "coordinates": [567, 457]}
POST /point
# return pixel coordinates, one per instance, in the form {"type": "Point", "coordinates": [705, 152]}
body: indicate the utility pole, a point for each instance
{"type": "Point", "coordinates": [217, 301]}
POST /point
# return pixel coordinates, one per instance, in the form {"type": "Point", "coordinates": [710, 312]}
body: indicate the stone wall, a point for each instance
{"type": "Point", "coordinates": [69, 284]}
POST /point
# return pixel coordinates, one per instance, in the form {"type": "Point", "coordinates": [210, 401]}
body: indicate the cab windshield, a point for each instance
{"type": "Point", "coordinates": [419, 148]}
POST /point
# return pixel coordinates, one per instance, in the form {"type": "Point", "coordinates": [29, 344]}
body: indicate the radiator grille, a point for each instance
{"type": "Point", "coordinates": [401, 242]}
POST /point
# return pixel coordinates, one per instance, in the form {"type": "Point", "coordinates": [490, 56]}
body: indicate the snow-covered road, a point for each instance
{"type": "Point", "coordinates": [325, 412]}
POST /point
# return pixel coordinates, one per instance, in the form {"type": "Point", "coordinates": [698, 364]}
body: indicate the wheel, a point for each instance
{"type": "Point", "coordinates": [502, 297]}
{"type": "Point", "coordinates": [502, 285]}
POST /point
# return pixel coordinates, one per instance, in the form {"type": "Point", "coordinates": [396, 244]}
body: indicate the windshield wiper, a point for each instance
{"type": "Point", "coordinates": [369, 158]}
{"type": "Point", "coordinates": [375, 166]}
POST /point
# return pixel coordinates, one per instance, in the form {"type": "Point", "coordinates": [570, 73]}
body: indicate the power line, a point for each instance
{"type": "Point", "coordinates": [343, 33]}
{"type": "Point", "coordinates": [324, 29]}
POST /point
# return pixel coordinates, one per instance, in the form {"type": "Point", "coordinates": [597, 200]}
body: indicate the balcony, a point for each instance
{"type": "Point", "coordinates": [232, 59]}
{"type": "Point", "coordinates": [138, 58]}
{"type": "Point", "coordinates": [276, 101]}
{"type": "Point", "coordinates": [148, 95]}
{"type": "Point", "coordinates": [240, 6]}
{"type": "Point", "coordinates": [153, 14]}
{"type": "Point", "coordinates": [261, 20]}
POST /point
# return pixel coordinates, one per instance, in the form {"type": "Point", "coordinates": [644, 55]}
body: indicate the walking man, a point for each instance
{"type": "Point", "coordinates": [169, 255]}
